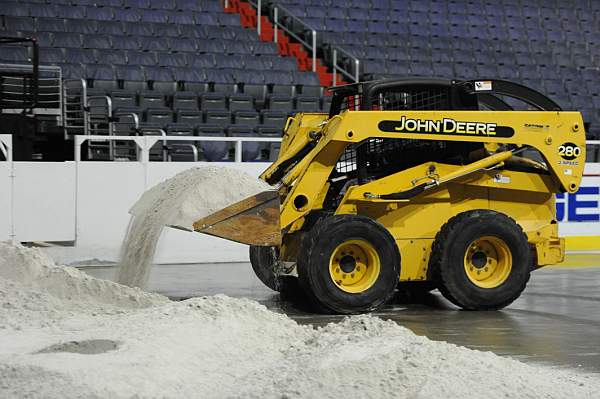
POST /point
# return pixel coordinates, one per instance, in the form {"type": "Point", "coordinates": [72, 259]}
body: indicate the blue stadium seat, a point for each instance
{"type": "Point", "coordinates": [158, 117]}
{"type": "Point", "coordinates": [140, 4]}
{"type": "Point", "coordinates": [157, 16]}
{"type": "Point", "coordinates": [75, 13]}
{"type": "Point", "coordinates": [190, 117]}
{"type": "Point", "coordinates": [210, 6]}
{"type": "Point", "coordinates": [137, 29]}
{"type": "Point", "coordinates": [72, 70]}
{"type": "Point", "coordinates": [101, 76]}
{"type": "Point", "coordinates": [125, 43]}
{"type": "Point", "coordinates": [43, 10]}
{"type": "Point", "coordinates": [212, 46]}
{"type": "Point", "coordinates": [51, 55]}
{"type": "Point", "coordinates": [307, 104]}
{"type": "Point", "coordinates": [228, 19]}
{"type": "Point", "coordinates": [205, 19]}
{"type": "Point", "coordinates": [78, 26]}
{"type": "Point", "coordinates": [66, 40]}
{"type": "Point", "coordinates": [201, 60]}
{"type": "Point", "coordinates": [213, 102]}
{"type": "Point", "coordinates": [212, 150]}
{"type": "Point", "coordinates": [172, 60]}
{"type": "Point", "coordinates": [218, 118]}
{"type": "Point", "coordinates": [131, 77]}
{"type": "Point", "coordinates": [250, 149]}
{"type": "Point", "coordinates": [192, 31]}
{"type": "Point", "coordinates": [74, 55]}
{"type": "Point", "coordinates": [151, 100]}
{"type": "Point", "coordinates": [236, 61]}
{"type": "Point", "coordinates": [246, 117]}
{"type": "Point", "coordinates": [111, 28]}
{"type": "Point", "coordinates": [95, 42]}
{"type": "Point", "coordinates": [19, 23]}
{"type": "Point", "coordinates": [123, 99]}
{"type": "Point", "coordinates": [182, 18]}
{"type": "Point", "coordinates": [221, 81]}
{"type": "Point", "coordinates": [15, 10]}
{"type": "Point", "coordinates": [50, 25]}
{"type": "Point", "coordinates": [127, 15]}
{"type": "Point", "coordinates": [189, 78]}
{"type": "Point", "coordinates": [99, 14]}
{"type": "Point", "coordinates": [185, 101]}
{"type": "Point", "coordinates": [257, 90]}
{"type": "Point", "coordinates": [273, 119]}
{"type": "Point", "coordinates": [141, 58]}
{"type": "Point", "coordinates": [160, 79]}
{"type": "Point", "coordinates": [163, 4]}
{"type": "Point", "coordinates": [14, 54]}
{"type": "Point", "coordinates": [241, 102]}
{"type": "Point", "coordinates": [154, 43]}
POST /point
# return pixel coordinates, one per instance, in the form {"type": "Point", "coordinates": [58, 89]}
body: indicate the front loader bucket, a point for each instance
{"type": "Point", "coordinates": [252, 221]}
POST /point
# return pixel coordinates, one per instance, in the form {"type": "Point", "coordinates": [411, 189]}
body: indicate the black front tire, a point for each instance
{"type": "Point", "coordinates": [448, 259]}
{"type": "Point", "coordinates": [316, 250]}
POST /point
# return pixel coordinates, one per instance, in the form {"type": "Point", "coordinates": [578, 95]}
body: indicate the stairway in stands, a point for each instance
{"type": "Point", "coordinates": [286, 46]}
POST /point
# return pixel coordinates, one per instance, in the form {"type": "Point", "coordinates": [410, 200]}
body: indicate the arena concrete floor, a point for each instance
{"type": "Point", "coordinates": [555, 322]}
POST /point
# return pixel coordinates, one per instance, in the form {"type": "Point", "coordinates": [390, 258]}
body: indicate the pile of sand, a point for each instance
{"type": "Point", "coordinates": [127, 343]}
{"type": "Point", "coordinates": [178, 201]}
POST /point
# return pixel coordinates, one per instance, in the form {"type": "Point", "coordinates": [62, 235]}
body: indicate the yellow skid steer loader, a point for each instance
{"type": "Point", "coordinates": [413, 183]}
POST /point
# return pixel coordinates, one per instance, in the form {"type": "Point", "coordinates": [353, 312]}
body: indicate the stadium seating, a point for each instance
{"type": "Point", "coordinates": [188, 64]}
{"type": "Point", "coordinates": [551, 45]}
{"type": "Point", "coordinates": [158, 59]}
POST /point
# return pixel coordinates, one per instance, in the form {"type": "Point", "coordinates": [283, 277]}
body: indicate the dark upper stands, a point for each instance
{"type": "Point", "coordinates": [550, 45]}
{"type": "Point", "coordinates": [180, 65]}
{"type": "Point", "coordinates": [187, 63]}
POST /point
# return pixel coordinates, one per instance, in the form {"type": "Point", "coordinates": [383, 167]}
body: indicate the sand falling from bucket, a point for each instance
{"type": "Point", "coordinates": [178, 201]}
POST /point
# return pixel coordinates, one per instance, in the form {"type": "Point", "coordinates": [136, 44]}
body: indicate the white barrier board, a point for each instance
{"type": "Point", "coordinates": [88, 202]}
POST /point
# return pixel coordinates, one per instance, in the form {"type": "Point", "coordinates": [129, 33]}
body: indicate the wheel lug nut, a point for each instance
{"type": "Point", "coordinates": [337, 270]}
{"type": "Point", "coordinates": [352, 275]}
{"type": "Point", "coordinates": [343, 276]}
{"type": "Point", "coordinates": [486, 269]}
{"type": "Point", "coordinates": [358, 268]}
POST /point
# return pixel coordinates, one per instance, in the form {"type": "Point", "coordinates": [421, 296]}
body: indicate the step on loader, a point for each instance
{"type": "Point", "coordinates": [413, 184]}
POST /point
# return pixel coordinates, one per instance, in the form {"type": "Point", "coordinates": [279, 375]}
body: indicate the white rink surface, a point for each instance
{"type": "Point", "coordinates": [215, 347]}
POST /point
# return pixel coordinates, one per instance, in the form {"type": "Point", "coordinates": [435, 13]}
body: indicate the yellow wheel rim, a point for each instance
{"type": "Point", "coordinates": [354, 266]}
{"type": "Point", "coordinates": [488, 262]}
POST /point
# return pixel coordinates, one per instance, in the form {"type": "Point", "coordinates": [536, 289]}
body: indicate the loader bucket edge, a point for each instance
{"type": "Point", "coordinates": [253, 221]}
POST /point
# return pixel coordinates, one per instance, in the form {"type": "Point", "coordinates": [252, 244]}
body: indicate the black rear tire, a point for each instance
{"type": "Point", "coordinates": [464, 247]}
{"type": "Point", "coordinates": [264, 263]}
{"type": "Point", "coordinates": [317, 267]}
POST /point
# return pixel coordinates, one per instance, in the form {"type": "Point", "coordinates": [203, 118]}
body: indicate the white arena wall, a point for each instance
{"type": "Point", "coordinates": [81, 208]}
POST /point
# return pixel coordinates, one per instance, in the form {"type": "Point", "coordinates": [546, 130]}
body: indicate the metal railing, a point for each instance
{"type": "Point", "coordinates": [278, 24]}
{"type": "Point", "coordinates": [145, 143]}
{"type": "Point", "coordinates": [354, 75]}
{"type": "Point", "coordinates": [280, 12]}
{"type": "Point", "coordinates": [75, 107]}
{"type": "Point", "coordinates": [15, 94]}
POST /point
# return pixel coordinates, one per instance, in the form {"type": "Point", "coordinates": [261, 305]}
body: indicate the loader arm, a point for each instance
{"type": "Point", "coordinates": [558, 136]}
